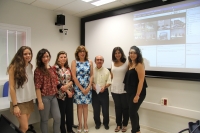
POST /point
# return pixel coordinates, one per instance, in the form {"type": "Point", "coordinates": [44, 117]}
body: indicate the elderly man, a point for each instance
{"type": "Point", "coordinates": [100, 95]}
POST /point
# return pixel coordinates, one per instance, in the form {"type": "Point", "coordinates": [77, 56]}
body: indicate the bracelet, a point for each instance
{"type": "Point", "coordinates": [137, 95]}
{"type": "Point", "coordinates": [15, 105]}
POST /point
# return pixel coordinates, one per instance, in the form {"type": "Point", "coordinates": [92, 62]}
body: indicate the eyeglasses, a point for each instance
{"type": "Point", "coordinates": [99, 59]}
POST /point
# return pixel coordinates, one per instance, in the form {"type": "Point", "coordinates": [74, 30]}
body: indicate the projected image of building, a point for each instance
{"type": "Point", "coordinates": [177, 23]}
{"type": "Point", "coordinates": [163, 24]}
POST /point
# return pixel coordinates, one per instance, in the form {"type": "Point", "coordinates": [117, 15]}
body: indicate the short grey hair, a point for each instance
{"type": "Point", "coordinates": [100, 56]}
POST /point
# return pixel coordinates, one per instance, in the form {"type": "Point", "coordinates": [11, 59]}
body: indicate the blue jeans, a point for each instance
{"type": "Point", "coordinates": [50, 106]}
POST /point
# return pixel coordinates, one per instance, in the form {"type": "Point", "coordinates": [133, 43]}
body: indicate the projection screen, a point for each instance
{"type": "Point", "coordinates": [168, 36]}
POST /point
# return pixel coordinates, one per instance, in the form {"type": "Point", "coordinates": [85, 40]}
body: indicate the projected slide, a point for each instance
{"type": "Point", "coordinates": [169, 37]}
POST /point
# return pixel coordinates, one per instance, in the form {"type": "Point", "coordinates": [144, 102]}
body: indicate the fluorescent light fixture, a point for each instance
{"type": "Point", "coordinates": [102, 2]}
{"type": "Point", "coordinates": [87, 0]}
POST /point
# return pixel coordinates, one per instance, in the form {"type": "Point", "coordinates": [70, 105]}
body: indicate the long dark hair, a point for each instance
{"type": "Point", "coordinates": [57, 63]}
{"type": "Point", "coordinates": [139, 58]}
{"type": "Point", "coordinates": [39, 62]}
{"type": "Point", "coordinates": [19, 65]}
{"type": "Point", "coordinates": [123, 57]}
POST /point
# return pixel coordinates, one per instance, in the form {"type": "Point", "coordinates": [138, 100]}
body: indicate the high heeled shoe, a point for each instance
{"type": "Point", "coordinates": [86, 130]}
{"type": "Point", "coordinates": [79, 130]}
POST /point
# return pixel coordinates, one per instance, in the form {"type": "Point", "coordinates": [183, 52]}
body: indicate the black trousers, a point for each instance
{"type": "Point", "coordinates": [99, 101]}
{"type": "Point", "coordinates": [121, 109]}
{"type": "Point", "coordinates": [133, 111]}
{"type": "Point", "coordinates": [66, 112]}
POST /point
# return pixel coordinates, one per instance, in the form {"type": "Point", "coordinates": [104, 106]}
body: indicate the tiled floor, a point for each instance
{"type": "Point", "coordinates": [91, 126]}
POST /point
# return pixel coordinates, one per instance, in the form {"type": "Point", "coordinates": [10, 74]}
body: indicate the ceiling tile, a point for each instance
{"type": "Point", "coordinates": [112, 5]}
{"type": "Point", "coordinates": [26, 1]}
{"type": "Point", "coordinates": [51, 4]}
{"type": "Point", "coordinates": [90, 12]}
{"type": "Point", "coordinates": [77, 6]}
{"type": "Point", "coordinates": [44, 5]}
{"type": "Point", "coordinates": [131, 1]}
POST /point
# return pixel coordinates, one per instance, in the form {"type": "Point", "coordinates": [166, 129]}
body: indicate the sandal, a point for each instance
{"type": "Point", "coordinates": [79, 130]}
{"type": "Point", "coordinates": [117, 129]}
{"type": "Point", "coordinates": [86, 130]}
{"type": "Point", "coordinates": [124, 129]}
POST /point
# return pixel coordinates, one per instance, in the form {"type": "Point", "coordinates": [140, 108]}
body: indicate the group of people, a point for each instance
{"type": "Point", "coordinates": [57, 87]}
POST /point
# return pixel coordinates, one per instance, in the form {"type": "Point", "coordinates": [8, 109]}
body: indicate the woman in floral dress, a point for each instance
{"type": "Point", "coordinates": [82, 73]}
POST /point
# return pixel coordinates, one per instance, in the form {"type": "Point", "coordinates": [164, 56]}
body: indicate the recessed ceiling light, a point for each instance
{"type": "Point", "coordinates": [87, 0]}
{"type": "Point", "coordinates": [102, 2]}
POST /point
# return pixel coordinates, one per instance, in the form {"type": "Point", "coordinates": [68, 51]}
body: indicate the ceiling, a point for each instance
{"type": "Point", "coordinates": [78, 8]}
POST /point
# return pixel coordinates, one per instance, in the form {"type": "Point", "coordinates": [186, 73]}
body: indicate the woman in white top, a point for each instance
{"type": "Point", "coordinates": [21, 86]}
{"type": "Point", "coordinates": [118, 71]}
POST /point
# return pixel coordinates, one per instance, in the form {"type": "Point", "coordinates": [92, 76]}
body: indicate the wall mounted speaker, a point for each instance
{"type": "Point", "coordinates": [60, 20]}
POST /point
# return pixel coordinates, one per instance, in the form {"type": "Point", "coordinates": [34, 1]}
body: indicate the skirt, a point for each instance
{"type": "Point", "coordinates": [25, 108]}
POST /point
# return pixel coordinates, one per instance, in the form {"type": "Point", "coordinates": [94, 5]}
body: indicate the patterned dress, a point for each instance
{"type": "Point", "coordinates": [83, 76]}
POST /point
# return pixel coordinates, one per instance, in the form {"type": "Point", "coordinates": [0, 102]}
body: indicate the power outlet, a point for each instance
{"type": "Point", "coordinates": [164, 101]}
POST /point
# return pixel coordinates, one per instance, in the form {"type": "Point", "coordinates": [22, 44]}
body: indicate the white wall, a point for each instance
{"type": "Point", "coordinates": [182, 95]}
{"type": "Point", "coordinates": [1, 90]}
{"type": "Point", "coordinates": [184, 104]}
{"type": "Point", "coordinates": [44, 32]}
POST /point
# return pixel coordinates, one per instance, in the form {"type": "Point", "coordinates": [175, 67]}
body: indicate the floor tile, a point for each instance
{"type": "Point", "coordinates": [91, 126]}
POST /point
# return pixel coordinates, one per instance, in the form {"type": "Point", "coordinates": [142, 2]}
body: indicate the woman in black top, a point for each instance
{"type": "Point", "coordinates": [135, 86]}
